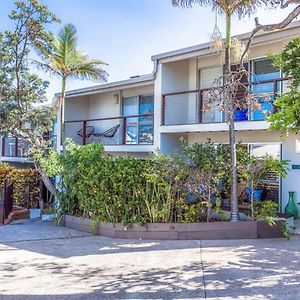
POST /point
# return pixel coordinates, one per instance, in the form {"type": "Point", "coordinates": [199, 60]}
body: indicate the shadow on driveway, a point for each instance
{"type": "Point", "coordinates": [59, 263]}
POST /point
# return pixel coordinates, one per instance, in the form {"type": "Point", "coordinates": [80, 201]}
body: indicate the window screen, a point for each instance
{"type": "Point", "coordinates": [264, 66]}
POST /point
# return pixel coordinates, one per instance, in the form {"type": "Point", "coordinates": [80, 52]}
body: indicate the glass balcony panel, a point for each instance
{"type": "Point", "coordinates": [181, 109]}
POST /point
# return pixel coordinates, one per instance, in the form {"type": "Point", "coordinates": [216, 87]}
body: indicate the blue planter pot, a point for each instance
{"type": "Point", "coordinates": [256, 195]}
{"type": "Point", "coordinates": [241, 115]}
{"type": "Point", "coordinates": [191, 199]}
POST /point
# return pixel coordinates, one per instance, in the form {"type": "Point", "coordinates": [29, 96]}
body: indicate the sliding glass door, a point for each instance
{"type": "Point", "coordinates": [138, 111]}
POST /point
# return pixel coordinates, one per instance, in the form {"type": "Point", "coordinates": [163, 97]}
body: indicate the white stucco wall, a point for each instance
{"type": "Point", "coordinates": [177, 77]}
{"type": "Point", "coordinates": [76, 108]}
{"type": "Point", "coordinates": [170, 143]}
{"type": "Point", "coordinates": [259, 136]}
{"type": "Point", "coordinates": [292, 181]}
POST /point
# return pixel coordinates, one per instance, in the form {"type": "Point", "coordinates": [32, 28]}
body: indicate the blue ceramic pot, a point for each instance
{"type": "Point", "coordinates": [241, 115]}
{"type": "Point", "coordinates": [191, 199]}
{"type": "Point", "coordinates": [256, 195]}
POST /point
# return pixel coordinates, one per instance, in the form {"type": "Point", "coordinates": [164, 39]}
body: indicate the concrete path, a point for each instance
{"type": "Point", "coordinates": [41, 261]}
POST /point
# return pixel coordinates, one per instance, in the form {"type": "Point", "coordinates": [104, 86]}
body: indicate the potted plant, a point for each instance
{"type": "Point", "coordinates": [256, 193]}
{"type": "Point", "coordinates": [255, 170]}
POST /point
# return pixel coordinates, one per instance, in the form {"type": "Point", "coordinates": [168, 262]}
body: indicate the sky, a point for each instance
{"type": "Point", "coordinates": [126, 33]}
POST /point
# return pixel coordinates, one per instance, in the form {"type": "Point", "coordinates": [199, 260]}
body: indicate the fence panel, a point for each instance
{"type": "Point", "coordinates": [7, 200]}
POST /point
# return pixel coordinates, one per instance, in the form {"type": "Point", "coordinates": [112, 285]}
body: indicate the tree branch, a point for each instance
{"type": "Point", "coordinates": [287, 3]}
{"type": "Point", "coordinates": [271, 27]}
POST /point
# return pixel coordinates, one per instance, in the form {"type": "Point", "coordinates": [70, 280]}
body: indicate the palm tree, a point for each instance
{"type": "Point", "coordinates": [228, 8]}
{"type": "Point", "coordinates": [65, 61]}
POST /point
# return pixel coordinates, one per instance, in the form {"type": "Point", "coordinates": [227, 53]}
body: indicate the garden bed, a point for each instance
{"type": "Point", "coordinates": [178, 231]}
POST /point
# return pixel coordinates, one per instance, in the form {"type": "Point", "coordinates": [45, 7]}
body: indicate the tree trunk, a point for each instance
{"type": "Point", "coordinates": [230, 118]}
{"type": "Point", "coordinates": [62, 117]}
{"type": "Point", "coordinates": [46, 180]}
{"type": "Point", "coordinates": [252, 200]}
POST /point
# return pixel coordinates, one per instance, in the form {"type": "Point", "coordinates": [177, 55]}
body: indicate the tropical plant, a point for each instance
{"type": "Point", "coordinates": [257, 169]}
{"type": "Point", "coordinates": [64, 60]}
{"type": "Point", "coordinates": [209, 171]}
{"type": "Point", "coordinates": [123, 189]}
{"type": "Point", "coordinates": [161, 189]}
{"type": "Point", "coordinates": [265, 211]}
{"type": "Point", "coordinates": [287, 118]}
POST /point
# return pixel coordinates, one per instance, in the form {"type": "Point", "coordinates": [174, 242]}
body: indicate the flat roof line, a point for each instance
{"type": "Point", "coordinates": [99, 87]}
{"type": "Point", "coordinates": [205, 46]}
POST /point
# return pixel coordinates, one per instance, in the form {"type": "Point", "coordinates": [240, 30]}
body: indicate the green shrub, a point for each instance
{"type": "Point", "coordinates": [121, 189]}
{"type": "Point", "coordinates": [161, 189]}
{"type": "Point", "coordinates": [26, 192]}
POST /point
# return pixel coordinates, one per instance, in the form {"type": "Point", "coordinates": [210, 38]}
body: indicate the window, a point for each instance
{"type": "Point", "coordinates": [260, 150]}
{"type": "Point", "coordinates": [262, 70]}
{"type": "Point", "coordinates": [207, 78]}
{"type": "Point", "coordinates": [242, 113]}
{"type": "Point", "coordinates": [271, 183]}
{"type": "Point", "coordinates": [138, 111]}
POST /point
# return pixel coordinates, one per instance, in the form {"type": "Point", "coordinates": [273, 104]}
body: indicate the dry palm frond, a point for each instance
{"type": "Point", "coordinates": [237, 49]}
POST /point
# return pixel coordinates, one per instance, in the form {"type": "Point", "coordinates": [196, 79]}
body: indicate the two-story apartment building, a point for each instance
{"type": "Point", "coordinates": [145, 113]}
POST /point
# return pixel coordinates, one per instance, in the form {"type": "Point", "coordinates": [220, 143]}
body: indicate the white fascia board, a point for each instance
{"type": "Point", "coordinates": [14, 159]}
{"type": "Point", "coordinates": [214, 127]}
{"type": "Point", "coordinates": [107, 87]}
{"type": "Point", "coordinates": [129, 148]}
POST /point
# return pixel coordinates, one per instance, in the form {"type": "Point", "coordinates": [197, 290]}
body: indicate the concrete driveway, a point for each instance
{"type": "Point", "coordinates": [41, 261]}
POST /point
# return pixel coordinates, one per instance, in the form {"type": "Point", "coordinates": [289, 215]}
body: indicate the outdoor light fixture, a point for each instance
{"type": "Point", "coordinates": [117, 98]}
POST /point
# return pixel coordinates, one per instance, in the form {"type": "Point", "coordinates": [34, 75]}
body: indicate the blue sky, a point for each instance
{"type": "Point", "coordinates": [125, 33]}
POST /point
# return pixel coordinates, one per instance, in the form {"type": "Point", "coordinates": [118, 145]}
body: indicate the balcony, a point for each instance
{"type": "Point", "coordinates": [186, 107]}
{"type": "Point", "coordinates": [15, 150]}
{"type": "Point", "coordinates": [13, 147]}
{"type": "Point", "coordinates": [114, 131]}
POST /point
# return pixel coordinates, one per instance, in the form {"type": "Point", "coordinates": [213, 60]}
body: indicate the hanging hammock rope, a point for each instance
{"type": "Point", "coordinates": [216, 37]}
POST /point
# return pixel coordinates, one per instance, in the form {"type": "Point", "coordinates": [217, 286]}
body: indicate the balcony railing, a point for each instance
{"type": "Point", "coordinates": [186, 107]}
{"type": "Point", "coordinates": [126, 130]}
{"type": "Point", "coordinates": [13, 147]}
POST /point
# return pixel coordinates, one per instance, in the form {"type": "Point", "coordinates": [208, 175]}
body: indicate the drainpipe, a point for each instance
{"type": "Point", "coordinates": [154, 72]}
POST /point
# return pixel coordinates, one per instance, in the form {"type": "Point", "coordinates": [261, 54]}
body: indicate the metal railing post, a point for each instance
{"type": "Point", "coordinates": [124, 131]}
{"type": "Point", "coordinates": [16, 147]}
{"type": "Point", "coordinates": [84, 133]}
{"type": "Point", "coordinates": [200, 100]}
{"type": "Point", "coordinates": [3, 146]}
{"type": "Point", "coordinates": [163, 108]}
{"type": "Point", "coordinates": [275, 94]}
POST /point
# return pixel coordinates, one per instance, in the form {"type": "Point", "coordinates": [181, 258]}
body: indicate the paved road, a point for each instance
{"type": "Point", "coordinates": [41, 261]}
